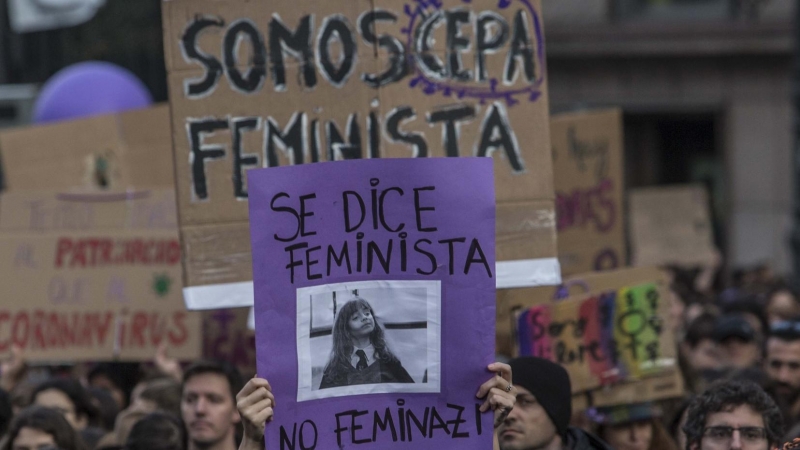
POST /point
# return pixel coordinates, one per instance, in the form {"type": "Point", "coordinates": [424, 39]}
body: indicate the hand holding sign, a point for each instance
{"type": "Point", "coordinates": [255, 403]}
{"type": "Point", "coordinates": [500, 394]}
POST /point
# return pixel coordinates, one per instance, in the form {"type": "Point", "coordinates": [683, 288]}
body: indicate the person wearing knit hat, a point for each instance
{"type": "Point", "coordinates": [540, 418]}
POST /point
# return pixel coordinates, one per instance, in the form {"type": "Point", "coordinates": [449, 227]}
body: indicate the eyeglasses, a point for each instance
{"type": "Point", "coordinates": [723, 435]}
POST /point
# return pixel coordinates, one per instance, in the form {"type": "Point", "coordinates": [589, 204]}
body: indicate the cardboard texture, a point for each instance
{"type": "Point", "coordinates": [95, 295]}
{"type": "Point", "coordinates": [588, 171]}
{"type": "Point", "coordinates": [116, 151]}
{"type": "Point", "coordinates": [660, 387]}
{"type": "Point", "coordinates": [89, 248]}
{"type": "Point", "coordinates": [671, 225]}
{"type": "Point", "coordinates": [443, 102]}
{"type": "Point", "coordinates": [511, 301]}
{"type": "Point", "coordinates": [43, 211]}
{"type": "Point", "coordinates": [603, 338]}
{"type": "Point", "coordinates": [227, 337]}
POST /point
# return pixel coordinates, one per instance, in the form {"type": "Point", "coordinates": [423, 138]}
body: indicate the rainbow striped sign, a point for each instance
{"type": "Point", "coordinates": [602, 338]}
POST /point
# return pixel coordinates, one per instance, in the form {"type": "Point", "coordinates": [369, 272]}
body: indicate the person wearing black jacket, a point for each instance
{"type": "Point", "coordinates": [540, 418]}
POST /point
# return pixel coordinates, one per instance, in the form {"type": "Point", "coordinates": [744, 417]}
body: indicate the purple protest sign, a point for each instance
{"type": "Point", "coordinates": [375, 301]}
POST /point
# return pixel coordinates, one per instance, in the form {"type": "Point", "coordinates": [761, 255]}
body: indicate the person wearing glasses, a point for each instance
{"type": "Point", "coordinates": [540, 418]}
{"type": "Point", "coordinates": [736, 415]}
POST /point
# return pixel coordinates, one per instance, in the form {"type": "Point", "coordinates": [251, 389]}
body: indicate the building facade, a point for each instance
{"type": "Point", "coordinates": [705, 86]}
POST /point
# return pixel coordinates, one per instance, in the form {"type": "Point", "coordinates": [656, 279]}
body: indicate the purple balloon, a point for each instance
{"type": "Point", "coordinates": [89, 89]}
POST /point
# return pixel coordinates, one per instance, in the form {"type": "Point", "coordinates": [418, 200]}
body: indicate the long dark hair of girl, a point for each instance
{"type": "Point", "coordinates": [343, 337]}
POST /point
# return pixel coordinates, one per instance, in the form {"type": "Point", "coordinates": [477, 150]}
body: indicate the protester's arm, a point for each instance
{"type": "Point", "coordinates": [500, 394]}
{"type": "Point", "coordinates": [166, 365]}
{"type": "Point", "coordinates": [255, 403]}
{"type": "Point", "coordinates": [12, 370]}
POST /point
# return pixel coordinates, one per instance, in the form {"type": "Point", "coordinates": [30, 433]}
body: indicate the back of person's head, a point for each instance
{"type": "Point", "coordinates": [117, 377]}
{"type": "Point", "coordinates": [157, 431]}
{"type": "Point", "coordinates": [47, 421]}
{"type": "Point", "coordinates": [76, 393]}
{"type": "Point", "coordinates": [726, 396]}
{"type": "Point", "coordinates": [550, 384]}
{"type": "Point", "coordinates": [165, 393]}
{"type": "Point", "coordinates": [106, 406]}
{"type": "Point", "coordinates": [223, 368]}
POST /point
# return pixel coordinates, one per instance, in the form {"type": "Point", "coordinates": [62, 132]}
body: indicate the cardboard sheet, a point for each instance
{"type": "Point", "coordinates": [588, 172]}
{"type": "Point", "coordinates": [255, 84]}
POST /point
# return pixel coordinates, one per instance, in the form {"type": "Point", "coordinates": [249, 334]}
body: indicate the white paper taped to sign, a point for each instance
{"type": "Point", "coordinates": [510, 274]}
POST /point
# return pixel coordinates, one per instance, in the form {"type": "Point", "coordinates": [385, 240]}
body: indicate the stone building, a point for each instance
{"type": "Point", "coordinates": [705, 89]}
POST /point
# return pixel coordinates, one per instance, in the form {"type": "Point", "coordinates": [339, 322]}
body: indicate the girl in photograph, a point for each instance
{"type": "Point", "coordinates": [360, 354]}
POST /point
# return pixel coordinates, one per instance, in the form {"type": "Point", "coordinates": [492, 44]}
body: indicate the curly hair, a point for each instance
{"type": "Point", "coordinates": [725, 396]}
{"type": "Point", "coordinates": [343, 337]}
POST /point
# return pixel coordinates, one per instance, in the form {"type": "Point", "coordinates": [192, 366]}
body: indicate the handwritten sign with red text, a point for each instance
{"type": "Point", "coordinates": [602, 338]}
{"type": "Point", "coordinates": [91, 278]}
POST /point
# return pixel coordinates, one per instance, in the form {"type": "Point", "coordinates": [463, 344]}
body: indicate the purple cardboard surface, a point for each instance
{"type": "Point", "coordinates": [374, 301]}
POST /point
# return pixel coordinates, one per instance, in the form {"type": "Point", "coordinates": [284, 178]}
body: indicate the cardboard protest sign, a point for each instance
{"type": "Point", "coordinates": [602, 338]}
{"type": "Point", "coordinates": [395, 257]}
{"type": "Point", "coordinates": [48, 211]}
{"type": "Point", "coordinates": [91, 265]}
{"type": "Point", "coordinates": [227, 337]}
{"type": "Point", "coordinates": [510, 302]}
{"type": "Point", "coordinates": [78, 288]}
{"type": "Point", "coordinates": [287, 82]}
{"type": "Point", "coordinates": [588, 174]}
{"type": "Point", "coordinates": [110, 152]}
{"type": "Point", "coordinates": [671, 225]}
{"type": "Point", "coordinates": [666, 385]}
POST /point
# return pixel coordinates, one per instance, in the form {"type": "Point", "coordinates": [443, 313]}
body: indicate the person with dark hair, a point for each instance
{"type": "Point", "coordinates": [157, 431]}
{"type": "Point", "coordinates": [751, 309]}
{"type": "Point", "coordinates": [700, 358]}
{"type": "Point", "coordinates": [632, 427]}
{"type": "Point", "coordinates": [106, 406]}
{"type": "Point", "coordinates": [37, 427]}
{"type": "Point", "coordinates": [733, 415]}
{"type": "Point", "coordinates": [699, 347]}
{"type": "Point", "coordinates": [71, 399]}
{"type": "Point", "coordinates": [782, 366]}
{"type": "Point", "coordinates": [119, 378]}
{"type": "Point", "coordinates": [360, 354]}
{"type": "Point", "coordinates": [208, 405]}
{"type": "Point", "coordinates": [677, 423]}
{"type": "Point", "coordinates": [739, 341]}
{"type": "Point", "coordinates": [540, 419]}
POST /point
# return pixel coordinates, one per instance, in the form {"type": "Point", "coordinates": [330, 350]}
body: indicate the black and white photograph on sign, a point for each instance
{"type": "Point", "coordinates": [368, 337]}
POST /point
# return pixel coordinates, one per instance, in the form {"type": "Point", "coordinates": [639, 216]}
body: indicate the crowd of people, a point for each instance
{"type": "Point", "coordinates": [739, 353]}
